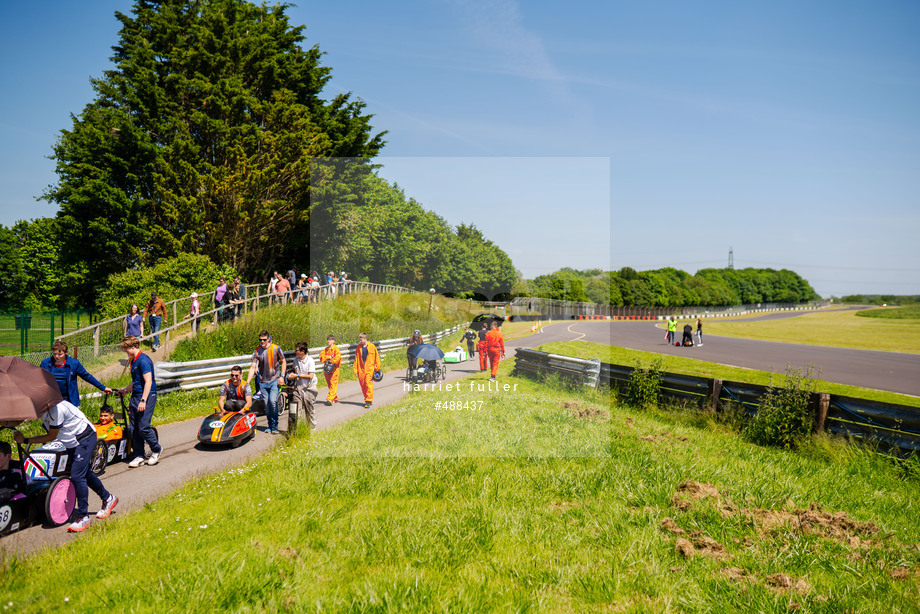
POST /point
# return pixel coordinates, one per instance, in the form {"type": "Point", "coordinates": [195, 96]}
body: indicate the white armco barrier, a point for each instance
{"type": "Point", "coordinates": [213, 372]}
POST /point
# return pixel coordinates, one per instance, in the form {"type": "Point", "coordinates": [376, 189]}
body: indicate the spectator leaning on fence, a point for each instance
{"type": "Point", "coordinates": [66, 370]}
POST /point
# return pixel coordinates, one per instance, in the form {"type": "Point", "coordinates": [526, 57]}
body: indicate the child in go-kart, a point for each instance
{"type": "Point", "coordinates": [106, 428]}
{"type": "Point", "coordinates": [12, 481]}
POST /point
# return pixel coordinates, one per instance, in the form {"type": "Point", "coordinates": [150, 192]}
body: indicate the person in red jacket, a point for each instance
{"type": "Point", "coordinates": [483, 349]}
{"type": "Point", "coordinates": [367, 360]}
{"type": "Point", "coordinates": [495, 343]}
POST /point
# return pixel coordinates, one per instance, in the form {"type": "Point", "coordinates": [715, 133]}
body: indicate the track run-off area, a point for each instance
{"type": "Point", "coordinates": [184, 459]}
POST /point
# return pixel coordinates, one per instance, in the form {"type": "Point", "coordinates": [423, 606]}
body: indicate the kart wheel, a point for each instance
{"type": "Point", "coordinates": [60, 499]}
{"type": "Point", "coordinates": [282, 402]}
{"type": "Point", "coordinates": [98, 460]}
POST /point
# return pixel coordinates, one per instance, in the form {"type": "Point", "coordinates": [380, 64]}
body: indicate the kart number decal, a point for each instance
{"type": "Point", "coordinates": [250, 420]}
{"type": "Point", "coordinates": [53, 445]}
{"type": "Point", "coordinates": [110, 453]}
{"type": "Point", "coordinates": [121, 447]}
{"type": "Point", "coordinates": [215, 424]}
{"type": "Point", "coordinates": [6, 514]}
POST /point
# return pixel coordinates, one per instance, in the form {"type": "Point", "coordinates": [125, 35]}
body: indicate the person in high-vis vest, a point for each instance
{"type": "Point", "coordinates": [235, 394]}
{"type": "Point", "coordinates": [672, 330]}
{"type": "Point", "coordinates": [495, 342]}
{"type": "Point", "coordinates": [482, 348]}
{"type": "Point", "coordinates": [331, 353]}
{"type": "Point", "coordinates": [367, 360]}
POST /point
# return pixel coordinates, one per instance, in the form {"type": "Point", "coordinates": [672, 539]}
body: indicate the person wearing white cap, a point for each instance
{"type": "Point", "coordinates": [195, 312]}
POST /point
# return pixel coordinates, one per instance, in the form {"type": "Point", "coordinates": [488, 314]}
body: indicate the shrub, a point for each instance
{"type": "Point", "coordinates": [171, 278]}
{"type": "Point", "coordinates": [784, 416]}
{"type": "Point", "coordinates": [644, 385]}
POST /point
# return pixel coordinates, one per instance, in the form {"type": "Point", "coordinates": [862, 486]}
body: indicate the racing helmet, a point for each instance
{"type": "Point", "coordinates": [328, 367]}
{"type": "Point", "coordinates": [378, 375]}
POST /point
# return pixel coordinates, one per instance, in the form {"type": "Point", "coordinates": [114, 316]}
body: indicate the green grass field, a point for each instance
{"type": "Point", "coordinates": [541, 499]}
{"type": "Point", "coordinates": [835, 328]}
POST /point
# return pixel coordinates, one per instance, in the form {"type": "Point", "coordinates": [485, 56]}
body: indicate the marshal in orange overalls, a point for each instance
{"type": "Point", "coordinates": [495, 342]}
{"type": "Point", "coordinates": [483, 350]}
{"type": "Point", "coordinates": [332, 379]}
{"type": "Point", "coordinates": [364, 369]}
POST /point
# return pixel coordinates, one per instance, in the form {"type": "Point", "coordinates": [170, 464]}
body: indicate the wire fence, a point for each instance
{"type": "Point", "coordinates": [25, 333]}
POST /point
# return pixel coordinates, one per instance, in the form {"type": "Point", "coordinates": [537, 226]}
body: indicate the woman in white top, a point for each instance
{"type": "Point", "coordinates": [67, 424]}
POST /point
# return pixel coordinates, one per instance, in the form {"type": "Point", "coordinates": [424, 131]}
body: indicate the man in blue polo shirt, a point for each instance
{"type": "Point", "coordinates": [66, 370]}
{"type": "Point", "coordinates": [143, 402]}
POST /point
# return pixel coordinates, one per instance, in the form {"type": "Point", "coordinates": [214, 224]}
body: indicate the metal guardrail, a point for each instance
{"type": "Point", "coordinates": [891, 425]}
{"type": "Point", "coordinates": [584, 372]}
{"type": "Point", "coordinates": [171, 376]}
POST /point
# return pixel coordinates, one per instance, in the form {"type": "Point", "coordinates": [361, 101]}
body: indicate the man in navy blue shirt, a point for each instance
{"type": "Point", "coordinates": [66, 370]}
{"type": "Point", "coordinates": [143, 402]}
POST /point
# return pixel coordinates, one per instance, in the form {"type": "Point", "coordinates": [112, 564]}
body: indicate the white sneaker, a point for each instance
{"type": "Point", "coordinates": [154, 458]}
{"type": "Point", "coordinates": [80, 525]}
{"type": "Point", "coordinates": [137, 462]}
{"type": "Point", "coordinates": [110, 503]}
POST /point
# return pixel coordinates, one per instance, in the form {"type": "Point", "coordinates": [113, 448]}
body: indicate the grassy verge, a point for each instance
{"type": "Point", "coordinates": [381, 316]}
{"type": "Point", "coordinates": [701, 368]}
{"type": "Point", "coordinates": [829, 328]}
{"type": "Point", "coordinates": [544, 499]}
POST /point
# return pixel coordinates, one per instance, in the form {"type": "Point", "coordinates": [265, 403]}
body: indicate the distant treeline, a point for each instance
{"type": "Point", "coordinates": [671, 287]}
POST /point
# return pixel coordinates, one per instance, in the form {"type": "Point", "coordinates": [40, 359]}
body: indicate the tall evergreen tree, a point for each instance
{"type": "Point", "coordinates": [200, 140]}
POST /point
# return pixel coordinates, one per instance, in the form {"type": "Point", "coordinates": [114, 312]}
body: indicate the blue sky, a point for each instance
{"type": "Point", "coordinates": [587, 134]}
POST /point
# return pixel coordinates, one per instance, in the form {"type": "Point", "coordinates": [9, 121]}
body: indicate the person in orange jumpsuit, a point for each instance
{"type": "Point", "coordinates": [482, 348]}
{"type": "Point", "coordinates": [367, 360]}
{"type": "Point", "coordinates": [331, 353]}
{"type": "Point", "coordinates": [495, 343]}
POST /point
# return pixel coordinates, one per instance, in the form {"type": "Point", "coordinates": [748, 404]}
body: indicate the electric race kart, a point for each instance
{"type": "Point", "coordinates": [47, 493]}
{"type": "Point", "coordinates": [229, 427]}
{"type": "Point", "coordinates": [114, 440]}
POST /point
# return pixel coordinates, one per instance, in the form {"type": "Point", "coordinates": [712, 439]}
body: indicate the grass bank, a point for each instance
{"type": "Point", "coordinates": [701, 368]}
{"type": "Point", "coordinates": [381, 316]}
{"type": "Point", "coordinates": [542, 498]}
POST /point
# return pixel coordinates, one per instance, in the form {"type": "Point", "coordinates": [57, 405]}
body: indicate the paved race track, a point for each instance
{"type": "Point", "coordinates": [891, 371]}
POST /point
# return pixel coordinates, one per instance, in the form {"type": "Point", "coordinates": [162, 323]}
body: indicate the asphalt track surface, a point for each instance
{"type": "Point", "coordinates": [183, 459]}
{"type": "Point", "coordinates": [891, 371]}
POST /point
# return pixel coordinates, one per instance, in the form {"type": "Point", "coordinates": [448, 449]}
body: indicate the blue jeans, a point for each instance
{"type": "Point", "coordinates": [82, 477]}
{"type": "Point", "coordinates": [155, 328]}
{"type": "Point", "coordinates": [140, 420]}
{"type": "Point", "coordinates": [269, 392]}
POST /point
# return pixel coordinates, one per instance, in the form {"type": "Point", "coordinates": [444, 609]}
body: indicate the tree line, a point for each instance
{"type": "Point", "coordinates": [670, 287]}
{"type": "Point", "coordinates": [210, 136]}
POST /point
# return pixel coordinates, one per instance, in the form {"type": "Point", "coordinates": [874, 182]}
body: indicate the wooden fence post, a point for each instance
{"type": "Point", "coordinates": [96, 340]}
{"type": "Point", "coordinates": [716, 393]}
{"type": "Point", "coordinates": [821, 402]}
